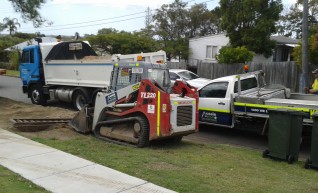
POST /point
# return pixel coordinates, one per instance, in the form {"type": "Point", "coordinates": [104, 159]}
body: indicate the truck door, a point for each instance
{"type": "Point", "coordinates": [214, 104]}
{"type": "Point", "coordinates": [29, 66]}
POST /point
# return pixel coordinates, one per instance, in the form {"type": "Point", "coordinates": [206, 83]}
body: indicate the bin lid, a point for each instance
{"type": "Point", "coordinates": [288, 111]}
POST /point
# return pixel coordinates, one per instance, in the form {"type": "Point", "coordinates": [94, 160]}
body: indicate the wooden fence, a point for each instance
{"type": "Point", "coordinates": [285, 73]}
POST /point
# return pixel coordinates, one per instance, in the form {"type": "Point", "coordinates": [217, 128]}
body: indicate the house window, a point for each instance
{"type": "Point", "coordinates": [211, 51]}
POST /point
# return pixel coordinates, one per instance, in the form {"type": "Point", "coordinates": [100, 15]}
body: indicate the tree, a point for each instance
{"type": "Point", "coordinates": [11, 24]}
{"type": "Point", "coordinates": [230, 55]}
{"type": "Point", "coordinates": [312, 50]}
{"type": "Point", "coordinates": [122, 42]}
{"type": "Point", "coordinates": [105, 31]}
{"type": "Point", "coordinates": [290, 23]}
{"type": "Point", "coordinates": [171, 27]}
{"type": "Point", "coordinates": [29, 10]}
{"type": "Point", "coordinates": [203, 22]}
{"type": "Point", "coordinates": [250, 23]}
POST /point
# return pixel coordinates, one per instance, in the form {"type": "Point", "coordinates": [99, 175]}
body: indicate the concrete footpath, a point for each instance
{"type": "Point", "coordinates": [57, 171]}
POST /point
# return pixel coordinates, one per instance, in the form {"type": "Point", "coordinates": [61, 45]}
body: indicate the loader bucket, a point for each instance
{"type": "Point", "coordinates": [82, 121]}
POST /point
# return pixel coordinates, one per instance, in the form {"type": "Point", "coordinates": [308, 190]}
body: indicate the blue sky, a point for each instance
{"type": "Point", "coordinates": [88, 16]}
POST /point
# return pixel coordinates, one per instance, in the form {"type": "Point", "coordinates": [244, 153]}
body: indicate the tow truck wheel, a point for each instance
{"type": "Point", "coordinates": [141, 131]}
{"type": "Point", "coordinates": [36, 95]}
{"type": "Point", "coordinates": [79, 100]}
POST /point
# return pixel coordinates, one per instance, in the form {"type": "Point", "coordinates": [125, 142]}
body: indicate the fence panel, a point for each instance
{"type": "Point", "coordinates": [285, 73]}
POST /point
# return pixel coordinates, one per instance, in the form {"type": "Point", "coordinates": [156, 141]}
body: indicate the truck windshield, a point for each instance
{"type": "Point", "coordinates": [161, 76]}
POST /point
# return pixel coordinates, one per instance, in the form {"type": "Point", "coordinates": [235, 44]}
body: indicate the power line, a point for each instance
{"type": "Point", "coordinates": [92, 21]}
{"type": "Point", "coordinates": [87, 25]}
{"type": "Point", "coordinates": [49, 28]}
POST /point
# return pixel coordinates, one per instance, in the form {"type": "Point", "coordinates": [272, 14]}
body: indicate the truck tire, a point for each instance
{"type": "Point", "coordinates": [79, 99]}
{"type": "Point", "coordinates": [36, 95]}
{"type": "Point", "coordinates": [141, 128]}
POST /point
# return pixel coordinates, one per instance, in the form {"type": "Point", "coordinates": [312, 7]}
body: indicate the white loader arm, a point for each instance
{"type": "Point", "coordinates": [104, 100]}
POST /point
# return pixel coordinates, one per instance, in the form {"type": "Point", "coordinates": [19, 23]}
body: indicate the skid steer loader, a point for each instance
{"type": "Point", "coordinates": [141, 106]}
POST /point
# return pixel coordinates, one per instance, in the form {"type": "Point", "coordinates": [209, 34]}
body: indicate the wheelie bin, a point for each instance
{"type": "Point", "coordinates": [312, 162]}
{"type": "Point", "coordinates": [284, 135]}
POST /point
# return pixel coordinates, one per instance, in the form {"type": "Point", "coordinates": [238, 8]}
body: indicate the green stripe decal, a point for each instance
{"type": "Point", "coordinates": [270, 106]}
{"type": "Point", "coordinates": [214, 110]}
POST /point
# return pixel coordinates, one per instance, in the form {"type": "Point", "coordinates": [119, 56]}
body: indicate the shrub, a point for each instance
{"type": "Point", "coordinates": [230, 55]}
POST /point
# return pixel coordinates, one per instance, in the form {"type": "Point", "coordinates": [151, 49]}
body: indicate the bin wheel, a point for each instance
{"type": "Point", "coordinates": [290, 159]}
{"type": "Point", "coordinates": [307, 164]}
{"type": "Point", "coordinates": [265, 153]}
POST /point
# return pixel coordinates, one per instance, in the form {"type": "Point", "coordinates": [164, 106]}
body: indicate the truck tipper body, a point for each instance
{"type": "Point", "coordinates": [242, 101]}
{"type": "Point", "coordinates": [71, 71]}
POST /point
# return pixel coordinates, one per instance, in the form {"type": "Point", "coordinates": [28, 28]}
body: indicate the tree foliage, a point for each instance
{"type": "Point", "coordinates": [29, 10]}
{"type": "Point", "coordinates": [11, 24]}
{"type": "Point", "coordinates": [290, 23]}
{"type": "Point", "coordinates": [250, 23]}
{"type": "Point", "coordinates": [175, 24]}
{"type": "Point", "coordinates": [312, 50]}
{"type": "Point", "coordinates": [230, 55]}
{"type": "Point", "coordinates": [113, 42]}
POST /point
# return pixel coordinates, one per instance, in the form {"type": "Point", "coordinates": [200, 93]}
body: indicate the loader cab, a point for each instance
{"type": "Point", "coordinates": [30, 64]}
{"type": "Point", "coordinates": [128, 73]}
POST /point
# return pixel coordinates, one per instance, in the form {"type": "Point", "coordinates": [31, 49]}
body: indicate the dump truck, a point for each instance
{"type": "Point", "coordinates": [140, 106]}
{"type": "Point", "coordinates": [70, 71]}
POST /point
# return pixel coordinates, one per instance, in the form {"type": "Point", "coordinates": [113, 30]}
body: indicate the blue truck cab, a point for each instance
{"type": "Point", "coordinates": [30, 65]}
{"type": "Point", "coordinates": [31, 73]}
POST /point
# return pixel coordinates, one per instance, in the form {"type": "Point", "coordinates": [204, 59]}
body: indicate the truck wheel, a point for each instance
{"type": "Point", "coordinates": [79, 100]}
{"type": "Point", "coordinates": [141, 130]}
{"type": "Point", "coordinates": [36, 95]}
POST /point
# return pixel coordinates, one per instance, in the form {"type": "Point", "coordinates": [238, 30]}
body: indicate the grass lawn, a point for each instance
{"type": "Point", "coordinates": [194, 168]}
{"type": "Point", "coordinates": [13, 183]}
{"type": "Point", "coordinates": [13, 73]}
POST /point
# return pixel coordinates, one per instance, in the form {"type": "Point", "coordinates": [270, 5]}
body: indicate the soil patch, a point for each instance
{"type": "Point", "coordinates": [10, 109]}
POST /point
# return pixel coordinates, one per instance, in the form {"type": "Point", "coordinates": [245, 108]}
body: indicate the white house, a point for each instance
{"type": "Point", "coordinates": [205, 48]}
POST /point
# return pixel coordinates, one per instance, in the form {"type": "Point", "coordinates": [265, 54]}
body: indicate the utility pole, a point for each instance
{"type": "Point", "coordinates": [148, 21]}
{"type": "Point", "coordinates": [304, 75]}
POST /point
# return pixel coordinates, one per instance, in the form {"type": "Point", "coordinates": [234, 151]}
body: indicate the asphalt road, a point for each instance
{"type": "Point", "coordinates": [10, 87]}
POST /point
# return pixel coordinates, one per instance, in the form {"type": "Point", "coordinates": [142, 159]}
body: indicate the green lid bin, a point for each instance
{"type": "Point", "coordinates": [312, 162]}
{"type": "Point", "coordinates": [284, 135]}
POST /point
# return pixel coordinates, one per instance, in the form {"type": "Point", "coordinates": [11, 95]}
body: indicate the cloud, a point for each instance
{"type": "Point", "coordinates": [124, 4]}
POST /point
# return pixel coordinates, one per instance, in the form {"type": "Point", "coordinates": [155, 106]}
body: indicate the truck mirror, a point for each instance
{"type": "Point", "coordinates": [38, 40]}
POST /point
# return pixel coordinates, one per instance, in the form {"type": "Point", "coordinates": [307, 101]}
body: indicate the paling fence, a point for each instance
{"type": "Point", "coordinates": [285, 73]}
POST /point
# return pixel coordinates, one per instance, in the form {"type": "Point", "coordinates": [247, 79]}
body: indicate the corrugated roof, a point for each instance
{"type": "Point", "coordinates": [284, 40]}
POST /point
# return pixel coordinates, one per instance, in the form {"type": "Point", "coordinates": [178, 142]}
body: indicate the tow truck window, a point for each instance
{"type": "Point", "coordinates": [214, 90]}
{"type": "Point", "coordinates": [246, 84]}
{"type": "Point", "coordinates": [25, 57]}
